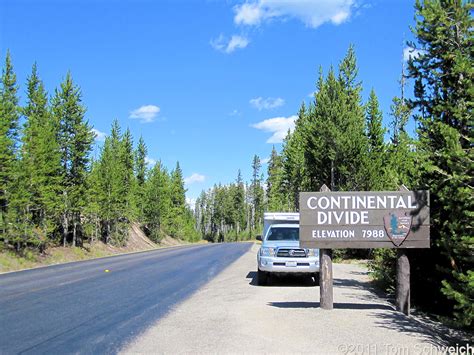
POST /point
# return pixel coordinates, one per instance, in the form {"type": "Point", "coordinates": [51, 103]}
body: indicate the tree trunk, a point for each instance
{"type": "Point", "coordinates": [65, 229]}
{"type": "Point", "coordinates": [74, 231]}
{"type": "Point", "coordinates": [108, 233]}
{"type": "Point", "coordinates": [333, 183]}
{"type": "Point", "coordinates": [248, 220]}
{"type": "Point", "coordinates": [96, 232]}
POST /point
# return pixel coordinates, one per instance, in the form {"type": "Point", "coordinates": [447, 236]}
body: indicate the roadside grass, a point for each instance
{"type": "Point", "coordinates": [63, 255]}
{"type": "Point", "coordinates": [11, 261]}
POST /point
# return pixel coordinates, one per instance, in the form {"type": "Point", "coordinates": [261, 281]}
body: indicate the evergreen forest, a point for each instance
{"type": "Point", "coordinates": [54, 193]}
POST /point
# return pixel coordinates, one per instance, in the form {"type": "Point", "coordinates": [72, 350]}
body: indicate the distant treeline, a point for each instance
{"type": "Point", "coordinates": [232, 212]}
{"type": "Point", "coordinates": [339, 141]}
{"type": "Point", "coordinates": [53, 193]}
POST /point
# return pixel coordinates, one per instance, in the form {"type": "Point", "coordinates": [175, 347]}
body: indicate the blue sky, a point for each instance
{"type": "Point", "coordinates": [208, 83]}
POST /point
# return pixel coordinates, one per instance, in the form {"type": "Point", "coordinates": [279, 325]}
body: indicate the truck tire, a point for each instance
{"type": "Point", "coordinates": [262, 278]}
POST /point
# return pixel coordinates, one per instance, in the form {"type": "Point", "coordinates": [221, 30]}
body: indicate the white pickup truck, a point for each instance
{"type": "Point", "coordinates": [280, 251]}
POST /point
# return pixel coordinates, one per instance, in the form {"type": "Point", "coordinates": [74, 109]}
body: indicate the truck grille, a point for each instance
{"type": "Point", "coordinates": [291, 253]}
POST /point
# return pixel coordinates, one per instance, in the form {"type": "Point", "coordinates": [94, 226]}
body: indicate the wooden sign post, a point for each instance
{"type": "Point", "coordinates": [366, 219]}
{"type": "Point", "coordinates": [325, 274]}
{"type": "Point", "coordinates": [402, 299]}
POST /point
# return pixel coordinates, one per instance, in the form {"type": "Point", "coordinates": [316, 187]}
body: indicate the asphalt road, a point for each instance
{"type": "Point", "coordinates": [80, 308]}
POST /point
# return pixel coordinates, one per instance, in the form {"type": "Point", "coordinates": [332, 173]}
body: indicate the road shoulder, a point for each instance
{"type": "Point", "coordinates": [232, 314]}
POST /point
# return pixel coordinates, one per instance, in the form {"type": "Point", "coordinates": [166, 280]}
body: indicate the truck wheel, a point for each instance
{"type": "Point", "coordinates": [262, 278]}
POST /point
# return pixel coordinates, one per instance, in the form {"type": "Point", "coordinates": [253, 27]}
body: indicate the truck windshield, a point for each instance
{"type": "Point", "coordinates": [283, 234]}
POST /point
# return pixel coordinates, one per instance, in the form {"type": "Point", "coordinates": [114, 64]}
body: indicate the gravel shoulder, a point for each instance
{"type": "Point", "coordinates": [231, 314]}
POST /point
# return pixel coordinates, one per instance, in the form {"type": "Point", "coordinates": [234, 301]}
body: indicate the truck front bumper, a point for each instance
{"type": "Point", "coordinates": [288, 265]}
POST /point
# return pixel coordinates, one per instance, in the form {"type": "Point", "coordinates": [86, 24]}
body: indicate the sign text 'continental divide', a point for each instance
{"type": "Point", "coordinates": [350, 209]}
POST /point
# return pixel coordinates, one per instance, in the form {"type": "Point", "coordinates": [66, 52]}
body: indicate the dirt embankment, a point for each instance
{"type": "Point", "coordinates": [138, 241]}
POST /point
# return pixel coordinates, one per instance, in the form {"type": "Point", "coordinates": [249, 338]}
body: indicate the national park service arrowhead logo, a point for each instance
{"type": "Point", "coordinates": [397, 225]}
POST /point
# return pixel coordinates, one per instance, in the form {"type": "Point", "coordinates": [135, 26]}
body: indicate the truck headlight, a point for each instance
{"type": "Point", "coordinates": [264, 251]}
{"type": "Point", "coordinates": [313, 252]}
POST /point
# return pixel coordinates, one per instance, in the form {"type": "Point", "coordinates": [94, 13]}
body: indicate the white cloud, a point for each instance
{"type": "Point", "coordinates": [145, 113]}
{"type": "Point", "coordinates": [265, 160]}
{"type": "Point", "coordinates": [236, 42]}
{"type": "Point", "coordinates": [279, 126]}
{"type": "Point", "coordinates": [313, 13]}
{"type": "Point", "coordinates": [150, 161]}
{"type": "Point", "coordinates": [98, 135]}
{"type": "Point", "coordinates": [248, 14]}
{"type": "Point", "coordinates": [218, 43]}
{"type": "Point", "coordinates": [260, 103]}
{"type": "Point", "coordinates": [195, 177]}
{"type": "Point", "coordinates": [340, 17]}
{"type": "Point", "coordinates": [226, 45]}
{"type": "Point", "coordinates": [409, 52]}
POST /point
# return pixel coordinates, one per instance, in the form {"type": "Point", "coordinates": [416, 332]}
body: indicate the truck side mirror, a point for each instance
{"type": "Point", "coordinates": [259, 237]}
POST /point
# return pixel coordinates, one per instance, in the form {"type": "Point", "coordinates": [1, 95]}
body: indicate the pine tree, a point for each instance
{"type": "Point", "coordinates": [375, 129]}
{"type": "Point", "coordinates": [275, 194]}
{"type": "Point", "coordinates": [231, 214]}
{"type": "Point", "coordinates": [352, 126]}
{"type": "Point", "coordinates": [112, 180]}
{"type": "Point", "coordinates": [199, 211]}
{"type": "Point", "coordinates": [376, 163]}
{"type": "Point", "coordinates": [294, 177]}
{"type": "Point", "coordinates": [257, 195]}
{"type": "Point", "coordinates": [20, 227]}
{"type": "Point", "coordinates": [444, 96]}
{"type": "Point", "coordinates": [40, 157]}
{"type": "Point", "coordinates": [218, 214]}
{"type": "Point", "coordinates": [402, 166]}
{"type": "Point", "coordinates": [205, 208]}
{"type": "Point", "coordinates": [335, 144]}
{"type": "Point", "coordinates": [239, 203]}
{"type": "Point", "coordinates": [401, 113]}
{"type": "Point", "coordinates": [93, 207]}
{"type": "Point", "coordinates": [9, 116]}
{"type": "Point", "coordinates": [75, 140]}
{"type": "Point", "coordinates": [127, 166]}
{"type": "Point", "coordinates": [140, 175]}
{"type": "Point", "coordinates": [178, 193]}
{"type": "Point", "coordinates": [158, 203]}
{"type": "Point", "coordinates": [178, 203]}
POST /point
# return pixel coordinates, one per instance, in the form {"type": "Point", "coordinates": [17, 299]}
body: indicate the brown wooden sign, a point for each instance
{"type": "Point", "coordinates": [382, 219]}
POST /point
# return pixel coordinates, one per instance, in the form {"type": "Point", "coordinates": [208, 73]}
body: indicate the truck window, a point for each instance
{"type": "Point", "coordinates": [284, 234]}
